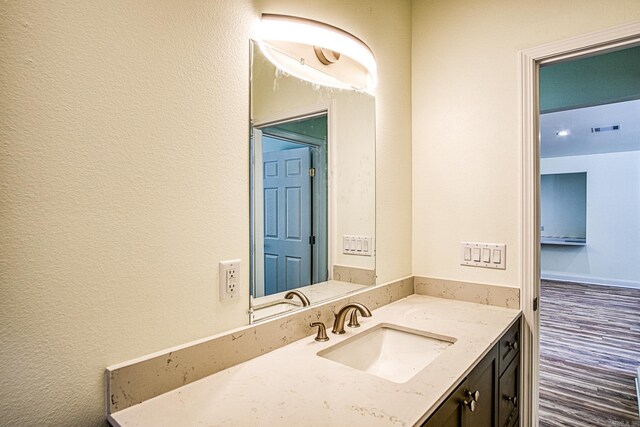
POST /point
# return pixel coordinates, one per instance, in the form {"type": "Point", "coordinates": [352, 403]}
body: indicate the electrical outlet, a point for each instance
{"type": "Point", "coordinates": [229, 277]}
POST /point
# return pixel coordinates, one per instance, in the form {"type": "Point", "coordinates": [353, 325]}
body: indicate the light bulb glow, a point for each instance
{"type": "Point", "coordinates": [563, 132]}
{"type": "Point", "coordinates": [292, 66]}
{"type": "Point", "coordinates": [290, 29]}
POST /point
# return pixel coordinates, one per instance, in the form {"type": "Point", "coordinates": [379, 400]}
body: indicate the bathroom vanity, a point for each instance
{"type": "Point", "coordinates": [488, 396]}
{"type": "Point", "coordinates": [471, 379]}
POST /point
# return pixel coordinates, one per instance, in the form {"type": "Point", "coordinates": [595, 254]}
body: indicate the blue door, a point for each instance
{"type": "Point", "coordinates": [287, 219]}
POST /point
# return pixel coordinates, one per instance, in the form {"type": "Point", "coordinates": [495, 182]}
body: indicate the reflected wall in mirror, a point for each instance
{"type": "Point", "coordinates": [312, 190]}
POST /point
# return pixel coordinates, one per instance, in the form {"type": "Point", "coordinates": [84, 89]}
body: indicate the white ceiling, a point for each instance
{"type": "Point", "coordinates": [581, 140]}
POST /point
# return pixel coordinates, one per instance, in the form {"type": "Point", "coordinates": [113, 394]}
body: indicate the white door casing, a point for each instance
{"type": "Point", "coordinates": [529, 63]}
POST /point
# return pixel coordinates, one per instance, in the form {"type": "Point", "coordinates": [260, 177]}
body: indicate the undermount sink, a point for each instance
{"type": "Point", "coordinates": [388, 351]}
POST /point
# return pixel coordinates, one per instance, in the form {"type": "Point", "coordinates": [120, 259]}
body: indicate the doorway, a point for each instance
{"type": "Point", "coordinates": [589, 232]}
{"type": "Point", "coordinates": [289, 195]}
{"type": "Point", "coordinates": [530, 62]}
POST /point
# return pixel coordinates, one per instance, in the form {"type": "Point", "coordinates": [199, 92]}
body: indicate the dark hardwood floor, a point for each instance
{"type": "Point", "coordinates": [589, 355]}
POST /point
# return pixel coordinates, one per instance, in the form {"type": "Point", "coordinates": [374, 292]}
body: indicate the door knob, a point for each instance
{"type": "Point", "coordinates": [513, 400]}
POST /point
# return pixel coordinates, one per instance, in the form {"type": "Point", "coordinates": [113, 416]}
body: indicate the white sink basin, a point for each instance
{"type": "Point", "coordinates": [392, 352]}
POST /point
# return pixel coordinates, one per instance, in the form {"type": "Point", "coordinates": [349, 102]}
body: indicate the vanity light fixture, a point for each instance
{"type": "Point", "coordinates": [317, 52]}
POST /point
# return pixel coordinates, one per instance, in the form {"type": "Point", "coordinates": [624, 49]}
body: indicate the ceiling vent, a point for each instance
{"type": "Point", "coordinates": [605, 129]}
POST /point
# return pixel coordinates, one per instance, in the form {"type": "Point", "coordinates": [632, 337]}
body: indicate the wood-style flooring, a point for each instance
{"type": "Point", "coordinates": [589, 355]}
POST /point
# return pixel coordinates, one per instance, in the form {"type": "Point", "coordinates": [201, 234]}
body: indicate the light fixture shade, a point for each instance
{"type": "Point", "coordinates": [289, 36]}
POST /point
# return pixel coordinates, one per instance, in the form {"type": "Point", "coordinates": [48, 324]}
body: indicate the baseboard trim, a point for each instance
{"type": "Point", "coordinates": [591, 280]}
{"type": "Point", "coordinates": [638, 390]}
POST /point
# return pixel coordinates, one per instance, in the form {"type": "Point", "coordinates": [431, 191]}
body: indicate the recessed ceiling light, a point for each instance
{"type": "Point", "coordinates": [563, 132]}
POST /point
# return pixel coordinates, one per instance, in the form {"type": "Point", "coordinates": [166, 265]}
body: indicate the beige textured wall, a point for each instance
{"type": "Point", "coordinates": [465, 120]}
{"type": "Point", "coordinates": [123, 170]}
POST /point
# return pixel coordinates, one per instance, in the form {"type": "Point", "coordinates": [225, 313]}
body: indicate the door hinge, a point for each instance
{"type": "Point", "coordinates": [312, 240]}
{"type": "Point", "coordinates": [312, 172]}
{"type": "Point", "coordinates": [535, 304]}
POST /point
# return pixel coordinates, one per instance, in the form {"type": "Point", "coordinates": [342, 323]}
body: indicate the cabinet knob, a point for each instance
{"type": "Point", "coordinates": [513, 400]}
{"type": "Point", "coordinates": [474, 395]}
{"type": "Point", "coordinates": [512, 345]}
{"type": "Point", "coordinates": [471, 404]}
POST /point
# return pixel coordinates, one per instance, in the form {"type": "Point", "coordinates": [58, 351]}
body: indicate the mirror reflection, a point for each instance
{"type": "Point", "coordinates": [312, 190]}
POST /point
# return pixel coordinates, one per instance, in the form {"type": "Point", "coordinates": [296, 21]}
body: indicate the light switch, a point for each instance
{"type": "Point", "coordinates": [358, 245]}
{"type": "Point", "coordinates": [486, 255]}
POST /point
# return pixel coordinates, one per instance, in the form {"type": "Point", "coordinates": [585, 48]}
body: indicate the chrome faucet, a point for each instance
{"type": "Point", "coordinates": [338, 325]}
{"type": "Point", "coordinates": [303, 297]}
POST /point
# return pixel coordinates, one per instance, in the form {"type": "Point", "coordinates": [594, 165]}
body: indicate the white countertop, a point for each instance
{"type": "Point", "coordinates": [292, 386]}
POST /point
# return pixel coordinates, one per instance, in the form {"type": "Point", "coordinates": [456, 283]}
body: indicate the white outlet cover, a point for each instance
{"type": "Point", "coordinates": [229, 279]}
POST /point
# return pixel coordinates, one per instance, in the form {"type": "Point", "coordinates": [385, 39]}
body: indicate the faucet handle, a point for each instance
{"type": "Point", "coordinates": [353, 320]}
{"type": "Point", "coordinates": [322, 331]}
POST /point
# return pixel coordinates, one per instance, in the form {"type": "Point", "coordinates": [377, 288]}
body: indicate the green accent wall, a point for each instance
{"type": "Point", "coordinates": [596, 80]}
{"type": "Point", "coordinates": [315, 127]}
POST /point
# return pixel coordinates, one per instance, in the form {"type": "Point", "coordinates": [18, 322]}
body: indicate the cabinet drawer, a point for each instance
{"type": "Point", "coordinates": [509, 346]}
{"type": "Point", "coordinates": [508, 401]}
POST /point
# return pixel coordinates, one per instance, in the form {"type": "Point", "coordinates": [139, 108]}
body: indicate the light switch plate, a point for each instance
{"type": "Point", "coordinates": [358, 245]}
{"type": "Point", "coordinates": [488, 255]}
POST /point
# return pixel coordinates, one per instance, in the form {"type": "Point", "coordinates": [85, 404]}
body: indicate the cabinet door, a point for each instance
{"type": "Point", "coordinates": [508, 395]}
{"type": "Point", "coordinates": [451, 412]}
{"type": "Point", "coordinates": [483, 385]}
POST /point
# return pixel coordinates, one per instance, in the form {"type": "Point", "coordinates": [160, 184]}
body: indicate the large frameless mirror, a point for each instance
{"type": "Point", "coordinates": [312, 190]}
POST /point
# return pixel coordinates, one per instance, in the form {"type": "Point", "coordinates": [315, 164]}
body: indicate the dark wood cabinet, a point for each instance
{"type": "Point", "coordinates": [509, 346]}
{"type": "Point", "coordinates": [483, 387]}
{"type": "Point", "coordinates": [488, 396]}
{"type": "Point", "coordinates": [508, 392]}
{"type": "Point", "coordinates": [451, 412]}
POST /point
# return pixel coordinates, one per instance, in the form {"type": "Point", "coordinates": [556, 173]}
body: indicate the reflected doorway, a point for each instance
{"type": "Point", "coordinates": [289, 195]}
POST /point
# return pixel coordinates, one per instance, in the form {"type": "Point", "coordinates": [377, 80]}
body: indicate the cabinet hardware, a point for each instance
{"type": "Point", "coordinates": [471, 404]}
{"type": "Point", "coordinates": [512, 345]}
{"type": "Point", "coordinates": [513, 400]}
{"type": "Point", "coordinates": [473, 395]}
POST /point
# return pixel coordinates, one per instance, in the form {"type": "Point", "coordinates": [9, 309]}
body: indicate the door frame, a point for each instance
{"type": "Point", "coordinates": [328, 108]}
{"type": "Point", "coordinates": [529, 65]}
